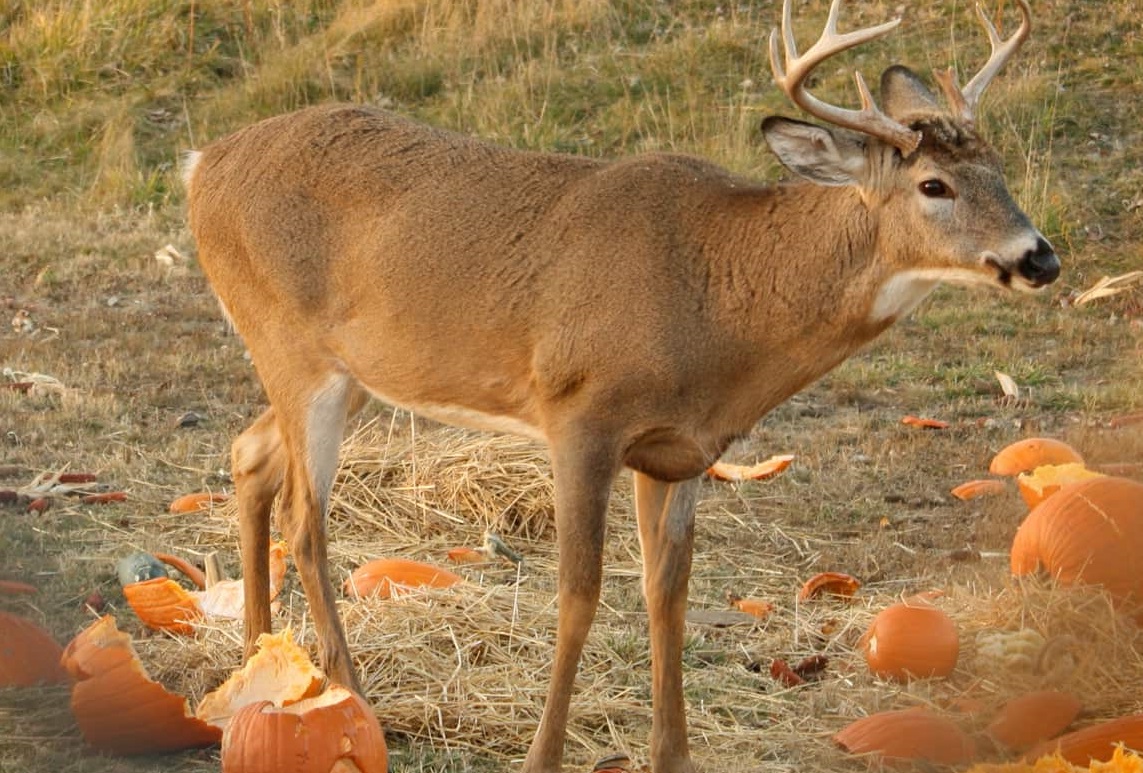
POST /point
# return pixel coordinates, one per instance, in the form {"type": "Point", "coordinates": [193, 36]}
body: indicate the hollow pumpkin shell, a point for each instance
{"type": "Point", "coordinates": [908, 734]}
{"type": "Point", "coordinates": [909, 640]}
{"type": "Point", "coordinates": [1089, 532]}
{"type": "Point", "coordinates": [1030, 719]}
{"type": "Point", "coordinates": [832, 583]}
{"type": "Point", "coordinates": [1030, 453]}
{"type": "Point", "coordinates": [1097, 742]}
{"type": "Point", "coordinates": [28, 654]}
{"type": "Point", "coordinates": [163, 604]}
{"type": "Point", "coordinates": [316, 735]}
{"type": "Point", "coordinates": [380, 577]}
{"type": "Point", "coordinates": [118, 707]}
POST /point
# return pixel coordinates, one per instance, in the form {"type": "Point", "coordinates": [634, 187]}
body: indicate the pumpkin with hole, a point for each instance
{"type": "Point", "coordinates": [1030, 453]}
{"type": "Point", "coordinates": [333, 731]}
{"type": "Point", "coordinates": [382, 576]}
{"type": "Point", "coordinates": [911, 639]}
{"type": "Point", "coordinates": [1047, 479]}
{"type": "Point", "coordinates": [1089, 532]}
{"type": "Point", "coordinates": [908, 734]}
{"type": "Point", "coordinates": [28, 654]}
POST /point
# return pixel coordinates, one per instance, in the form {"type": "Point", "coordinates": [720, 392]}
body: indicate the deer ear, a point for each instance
{"type": "Point", "coordinates": [814, 152]}
{"type": "Point", "coordinates": [903, 94]}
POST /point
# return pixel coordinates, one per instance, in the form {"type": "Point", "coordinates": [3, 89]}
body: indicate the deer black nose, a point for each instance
{"type": "Point", "coordinates": [1040, 266]}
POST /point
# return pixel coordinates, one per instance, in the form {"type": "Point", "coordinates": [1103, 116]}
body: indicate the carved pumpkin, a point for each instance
{"type": "Point", "coordinates": [908, 734]}
{"type": "Point", "coordinates": [28, 654]}
{"type": "Point", "coordinates": [1089, 532]}
{"type": "Point", "coordinates": [1030, 453]}
{"type": "Point", "coordinates": [382, 575]}
{"type": "Point", "coordinates": [332, 732]}
{"type": "Point", "coordinates": [118, 707]}
{"type": "Point", "coordinates": [911, 639]}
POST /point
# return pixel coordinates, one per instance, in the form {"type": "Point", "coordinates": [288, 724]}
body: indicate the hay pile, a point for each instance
{"type": "Point", "coordinates": [463, 670]}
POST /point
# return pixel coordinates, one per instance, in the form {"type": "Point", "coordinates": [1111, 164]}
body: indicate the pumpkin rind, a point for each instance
{"type": "Point", "coordinates": [1030, 719]}
{"type": "Point", "coordinates": [1097, 742]}
{"type": "Point", "coordinates": [311, 736]}
{"type": "Point", "coordinates": [163, 604]}
{"type": "Point", "coordinates": [908, 734]}
{"type": "Point", "coordinates": [1047, 479]}
{"type": "Point", "coordinates": [1030, 453]}
{"type": "Point", "coordinates": [1088, 532]}
{"type": "Point", "coordinates": [28, 654]}
{"type": "Point", "coordinates": [911, 640]}
{"type": "Point", "coordinates": [760, 471]}
{"type": "Point", "coordinates": [833, 583]}
{"type": "Point", "coordinates": [380, 576]}
{"type": "Point", "coordinates": [118, 707]}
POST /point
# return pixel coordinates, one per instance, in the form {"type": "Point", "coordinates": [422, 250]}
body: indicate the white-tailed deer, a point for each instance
{"type": "Point", "coordinates": [640, 313]}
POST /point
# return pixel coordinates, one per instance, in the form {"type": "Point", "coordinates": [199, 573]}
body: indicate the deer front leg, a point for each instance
{"type": "Point", "coordinates": [666, 516]}
{"type": "Point", "coordinates": [583, 485]}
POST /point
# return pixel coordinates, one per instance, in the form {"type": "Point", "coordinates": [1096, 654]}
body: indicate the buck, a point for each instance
{"type": "Point", "coordinates": [640, 313]}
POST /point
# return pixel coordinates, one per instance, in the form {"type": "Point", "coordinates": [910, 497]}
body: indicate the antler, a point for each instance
{"type": "Point", "coordinates": [791, 79]}
{"type": "Point", "coordinates": [964, 102]}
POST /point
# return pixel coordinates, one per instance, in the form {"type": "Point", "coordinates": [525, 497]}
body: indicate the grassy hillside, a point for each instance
{"type": "Point", "coordinates": [98, 98]}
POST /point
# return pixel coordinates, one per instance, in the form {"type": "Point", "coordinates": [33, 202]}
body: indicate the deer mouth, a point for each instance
{"type": "Point", "coordinates": [1001, 274]}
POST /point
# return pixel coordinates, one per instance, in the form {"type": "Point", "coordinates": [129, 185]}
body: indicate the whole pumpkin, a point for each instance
{"type": "Point", "coordinates": [1088, 532]}
{"type": "Point", "coordinates": [911, 639]}
{"type": "Point", "coordinates": [315, 735]}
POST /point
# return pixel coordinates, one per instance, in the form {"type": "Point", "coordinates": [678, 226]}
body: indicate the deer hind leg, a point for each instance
{"type": "Point", "coordinates": [666, 516]}
{"type": "Point", "coordinates": [583, 481]}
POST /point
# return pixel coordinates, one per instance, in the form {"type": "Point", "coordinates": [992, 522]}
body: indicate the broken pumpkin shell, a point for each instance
{"type": "Point", "coordinates": [1030, 453]}
{"type": "Point", "coordinates": [118, 707]}
{"type": "Point", "coordinates": [1097, 742]}
{"type": "Point", "coordinates": [227, 598]}
{"type": "Point", "coordinates": [333, 731]}
{"type": "Point", "coordinates": [1030, 719]}
{"type": "Point", "coordinates": [1089, 532]}
{"type": "Point", "coordinates": [908, 734]}
{"type": "Point", "coordinates": [911, 639]}
{"type": "Point", "coordinates": [1047, 479]}
{"type": "Point", "coordinates": [761, 471]}
{"type": "Point", "coordinates": [28, 654]}
{"type": "Point", "coordinates": [199, 501]}
{"type": "Point", "coordinates": [831, 583]}
{"type": "Point", "coordinates": [975, 489]}
{"type": "Point", "coordinates": [163, 604]}
{"type": "Point", "coordinates": [280, 673]}
{"type": "Point", "coordinates": [382, 576]}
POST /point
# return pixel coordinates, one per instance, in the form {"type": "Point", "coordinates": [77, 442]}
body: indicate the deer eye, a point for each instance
{"type": "Point", "coordinates": [935, 189]}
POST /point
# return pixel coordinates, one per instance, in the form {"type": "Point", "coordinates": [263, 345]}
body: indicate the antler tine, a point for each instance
{"type": "Point", "coordinates": [964, 101]}
{"type": "Point", "coordinates": [791, 75]}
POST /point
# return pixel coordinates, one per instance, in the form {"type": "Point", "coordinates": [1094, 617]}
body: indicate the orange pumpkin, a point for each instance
{"type": "Point", "coordinates": [163, 604]}
{"type": "Point", "coordinates": [334, 731]}
{"type": "Point", "coordinates": [279, 672]}
{"type": "Point", "coordinates": [974, 489]}
{"type": "Point", "coordinates": [908, 734]}
{"type": "Point", "coordinates": [383, 575]}
{"type": "Point", "coordinates": [1047, 479]}
{"type": "Point", "coordinates": [761, 471]}
{"type": "Point", "coordinates": [118, 707]}
{"type": "Point", "coordinates": [1097, 742]}
{"type": "Point", "coordinates": [28, 654]}
{"type": "Point", "coordinates": [1089, 532]}
{"type": "Point", "coordinates": [1030, 453]}
{"type": "Point", "coordinates": [198, 502]}
{"type": "Point", "coordinates": [833, 583]}
{"type": "Point", "coordinates": [911, 639]}
{"type": "Point", "coordinates": [1029, 719]}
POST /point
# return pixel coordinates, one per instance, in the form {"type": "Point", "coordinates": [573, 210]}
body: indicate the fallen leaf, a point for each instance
{"type": "Point", "coordinates": [1007, 385]}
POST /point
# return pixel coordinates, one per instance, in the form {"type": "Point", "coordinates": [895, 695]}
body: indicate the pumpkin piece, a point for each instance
{"type": "Point", "coordinates": [13, 587]}
{"type": "Point", "coordinates": [754, 607]}
{"type": "Point", "coordinates": [280, 673]}
{"type": "Point", "coordinates": [1029, 719]}
{"type": "Point", "coordinates": [383, 576]}
{"type": "Point", "coordinates": [1030, 453]}
{"type": "Point", "coordinates": [226, 598]}
{"type": "Point", "coordinates": [761, 471]}
{"type": "Point", "coordinates": [198, 502]}
{"type": "Point", "coordinates": [908, 734]}
{"type": "Point", "coordinates": [780, 671]}
{"type": "Point", "coordinates": [975, 489]}
{"type": "Point", "coordinates": [104, 498]}
{"type": "Point", "coordinates": [192, 572]}
{"type": "Point", "coordinates": [1047, 479]}
{"type": "Point", "coordinates": [1094, 743]}
{"type": "Point", "coordinates": [833, 583]}
{"type": "Point", "coordinates": [1088, 532]}
{"type": "Point", "coordinates": [163, 604]}
{"type": "Point", "coordinates": [924, 423]}
{"type": "Point", "coordinates": [910, 640]}
{"type": "Point", "coordinates": [28, 654]}
{"type": "Point", "coordinates": [118, 707]}
{"type": "Point", "coordinates": [467, 556]}
{"type": "Point", "coordinates": [333, 731]}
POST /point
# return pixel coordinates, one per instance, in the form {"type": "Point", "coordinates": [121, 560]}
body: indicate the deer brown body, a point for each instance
{"type": "Point", "coordinates": [640, 313]}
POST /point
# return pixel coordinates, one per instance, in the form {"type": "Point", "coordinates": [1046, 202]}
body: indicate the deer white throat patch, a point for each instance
{"type": "Point", "coordinates": [900, 294]}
